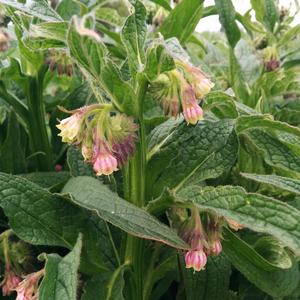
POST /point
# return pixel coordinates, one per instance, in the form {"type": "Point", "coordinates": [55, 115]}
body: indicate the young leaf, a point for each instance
{"type": "Point", "coordinates": [227, 13]}
{"type": "Point", "coordinates": [258, 212]}
{"type": "Point", "coordinates": [61, 280]}
{"type": "Point", "coordinates": [36, 8]}
{"type": "Point", "coordinates": [134, 36]}
{"type": "Point", "coordinates": [277, 283]}
{"type": "Point", "coordinates": [95, 196]}
{"type": "Point", "coordinates": [211, 283]}
{"type": "Point", "coordinates": [284, 183]}
{"type": "Point", "coordinates": [182, 20]}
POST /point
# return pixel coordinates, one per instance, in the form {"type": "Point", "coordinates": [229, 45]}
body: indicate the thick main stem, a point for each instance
{"type": "Point", "coordinates": [135, 193]}
{"type": "Point", "coordinates": [37, 124]}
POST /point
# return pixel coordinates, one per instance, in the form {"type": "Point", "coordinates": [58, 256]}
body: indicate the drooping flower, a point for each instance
{"type": "Point", "coordinates": [104, 163]}
{"type": "Point", "coordinates": [10, 282]}
{"type": "Point", "coordinates": [28, 288]}
{"type": "Point", "coordinates": [192, 112]}
{"type": "Point", "coordinates": [60, 61]}
{"type": "Point", "coordinates": [195, 259]}
{"type": "Point", "coordinates": [216, 247]}
{"type": "Point", "coordinates": [71, 128]}
{"type": "Point", "coordinates": [214, 234]}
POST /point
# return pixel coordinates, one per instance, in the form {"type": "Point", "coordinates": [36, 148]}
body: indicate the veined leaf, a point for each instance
{"type": "Point", "coordinates": [95, 196]}
{"type": "Point", "coordinates": [277, 283]}
{"type": "Point", "coordinates": [134, 36]}
{"type": "Point", "coordinates": [284, 183]}
{"type": "Point", "coordinates": [182, 20]}
{"type": "Point", "coordinates": [258, 212]}
{"type": "Point", "coordinates": [41, 218]}
{"type": "Point", "coordinates": [227, 13]}
{"type": "Point", "coordinates": [190, 152]}
{"type": "Point", "coordinates": [36, 8]}
{"type": "Point", "coordinates": [60, 280]}
{"type": "Point", "coordinates": [50, 30]}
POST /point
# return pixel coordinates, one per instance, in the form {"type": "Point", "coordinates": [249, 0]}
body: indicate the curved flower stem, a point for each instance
{"type": "Point", "coordinates": [135, 193]}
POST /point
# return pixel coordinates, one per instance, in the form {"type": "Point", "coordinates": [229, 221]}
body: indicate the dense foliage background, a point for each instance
{"type": "Point", "coordinates": [82, 236]}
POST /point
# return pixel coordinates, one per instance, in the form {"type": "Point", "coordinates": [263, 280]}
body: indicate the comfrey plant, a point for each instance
{"type": "Point", "coordinates": [141, 160]}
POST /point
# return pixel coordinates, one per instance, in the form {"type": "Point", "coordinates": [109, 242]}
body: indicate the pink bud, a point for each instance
{"type": "Point", "coordinates": [58, 168]}
{"type": "Point", "coordinates": [195, 259]}
{"type": "Point", "coordinates": [105, 163]}
{"type": "Point", "coordinates": [216, 247]}
{"type": "Point", "coordinates": [192, 113]}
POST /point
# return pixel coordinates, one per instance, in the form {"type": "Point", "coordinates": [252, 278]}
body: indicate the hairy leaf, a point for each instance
{"type": "Point", "coordinates": [95, 196]}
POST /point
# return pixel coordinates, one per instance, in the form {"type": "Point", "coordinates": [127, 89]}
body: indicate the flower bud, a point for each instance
{"type": "Point", "coordinates": [195, 259]}
{"type": "Point", "coordinates": [270, 58]}
{"type": "Point", "coordinates": [234, 225]}
{"type": "Point", "coordinates": [216, 247]}
{"type": "Point", "coordinates": [60, 61]}
{"type": "Point", "coordinates": [58, 168]}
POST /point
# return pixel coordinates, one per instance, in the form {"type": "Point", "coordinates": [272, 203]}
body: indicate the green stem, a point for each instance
{"type": "Point", "coordinates": [37, 122]}
{"type": "Point", "coordinates": [135, 193]}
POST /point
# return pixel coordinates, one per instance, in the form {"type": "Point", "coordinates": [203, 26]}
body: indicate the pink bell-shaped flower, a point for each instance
{"type": "Point", "coordinates": [195, 259]}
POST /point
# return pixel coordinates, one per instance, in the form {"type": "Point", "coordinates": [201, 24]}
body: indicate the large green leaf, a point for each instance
{"type": "Point", "coordinates": [284, 183]}
{"type": "Point", "coordinates": [190, 153]}
{"type": "Point", "coordinates": [36, 8]}
{"type": "Point", "coordinates": [211, 283]}
{"type": "Point", "coordinates": [276, 282]}
{"type": "Point", "coordinates": [41, 218]}
{"type": "Point", "coordinates": [258, 212]}
{"type": "Point", "coordinates": [227, 14]}
{"type": "Point", "coordinates": [134, 36]}
{"type": "Point", "coordinates": [182, 20]}
{"type": "Point", "coordinates": [61, 280]}
{"type": "Point", "coordinates": [95, 196]}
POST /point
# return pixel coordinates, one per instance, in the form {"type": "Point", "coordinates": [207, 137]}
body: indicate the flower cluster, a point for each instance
{"type": "Point", "coordinates": [180, 90]}
{"type": "Point", "coordinates": [60, 61]}
{"type": "Point", "coordinates": [106, 141]}
{"type": "Point", "coordinates": [204, 240]}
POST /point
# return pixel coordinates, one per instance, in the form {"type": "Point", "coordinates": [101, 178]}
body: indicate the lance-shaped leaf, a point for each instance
{"type": "Point", "coordinates": [190, 153]}
{"type": "Point", "coordinates": [258, 212]}
{"type": "Point", "coordinates": [227, 13]}
{"type": "Point", "coordinates": [36, 8]}
{"type": "Point", "coordinates": [284, 183]}
{"type": "Point", "coordinates": [61, 280]}
{"type": "Point", "coordinates": [134, 36]}
{"type": "Point", "coordinates": [182, 20]}
{"type": "Point", "coordinates": [276, 282]}
{"type": "Point", "coordinates": [40, 218]}
{"type": "Point", "coordinates": [95, 196]}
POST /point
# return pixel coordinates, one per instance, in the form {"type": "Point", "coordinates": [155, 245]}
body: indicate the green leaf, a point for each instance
{"type": "Point", "coordinates": [41, 218]}
{"type": "Point", "coordinates": [283, 183]}
{"type": "Point", "coordinates": [68, 8]}
{"type": "Point", "coordinates": [277, 283]}
{"type": "Point", "coordinates": [258, 212]}
{"type": "Point", "coordinates": [134, 36]}
{"type": "Point", "coordinates": [182, 20]}
{"type": "Point", "coordinates": [211, 283]}
{"type": "Point", "coordinates": [190, 152]}
{"type": "Point", "coordinates": [93, 195]}
{"type": "Point", "coordinates": [271, 14]}
{"type": "Point", "coordinates": [109, 16]}
{"type": "Point", "coordinates": [163, 3]}
{"type": "Point", "coordinates": [106, 286]}
{"type": "Point", "coordinates": [36, 8]}
{"type": "Point", "coordinates": [275, 153]}
{"type": "Point", "coordinates": [61, 280]}
{"type": "Point", "coordinates": [158, 61]}
{"type": "Point", "coordinates": [227, 14]}
{"type": "Point", "coordinates": [47, 180]}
